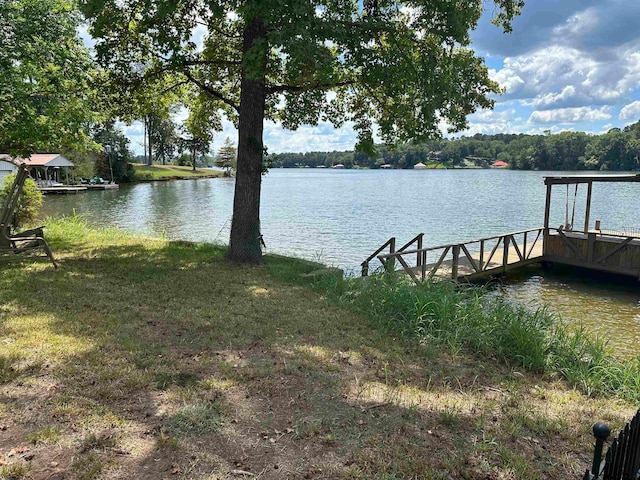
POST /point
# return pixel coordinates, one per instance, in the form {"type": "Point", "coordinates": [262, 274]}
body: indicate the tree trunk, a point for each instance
{"type": "Point", "coordinates": [193, 157]}
{"type": "Point", "coordinates": [244, 244]}
{"type": "Point", "coordinates": [150, 162]}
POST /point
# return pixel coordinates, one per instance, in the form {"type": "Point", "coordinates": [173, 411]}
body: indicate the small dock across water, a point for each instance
{"type": "Point", "coordinates": [62, 190]}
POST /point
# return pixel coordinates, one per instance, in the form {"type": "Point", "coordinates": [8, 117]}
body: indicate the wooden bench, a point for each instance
{"type": "Point", "coordinates": [28, 239]}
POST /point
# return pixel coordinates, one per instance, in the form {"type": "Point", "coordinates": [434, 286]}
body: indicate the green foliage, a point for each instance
{"type": "Point", "coordinates": [459, 317]}
{"type": "Point", "coordinates": [45, 86]}
{"type": "Point", "coordinates": [29, 202]}
{"type": "Point", "coordinates": [227, 156]}
{"type": "Point", "coordinates": [116, 156]}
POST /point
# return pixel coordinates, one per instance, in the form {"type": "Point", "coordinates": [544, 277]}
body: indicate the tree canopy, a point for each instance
{"type": "Point", "coordinates": [396, 68]}
{"type": "Point", "coordinates": [45, 80]}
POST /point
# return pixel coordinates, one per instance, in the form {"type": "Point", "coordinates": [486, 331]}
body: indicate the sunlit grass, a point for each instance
{"type": "Point", "coordinates": [160, 172]}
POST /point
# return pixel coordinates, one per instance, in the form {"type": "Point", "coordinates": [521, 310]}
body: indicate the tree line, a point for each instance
{"type": "Point", "coordinates": [617, 149]}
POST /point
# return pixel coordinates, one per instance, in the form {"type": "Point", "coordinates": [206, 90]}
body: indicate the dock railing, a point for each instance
{"type": "Point", "coordinates": [391, 243]}
{"type": "Point", "coordinates": [471, 259]}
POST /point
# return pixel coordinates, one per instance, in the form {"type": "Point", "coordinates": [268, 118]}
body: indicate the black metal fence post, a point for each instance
{"type": "Point", "coordinates": [601, 431]}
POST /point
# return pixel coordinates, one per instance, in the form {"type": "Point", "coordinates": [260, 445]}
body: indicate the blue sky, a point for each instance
{"type": "Point", "coordinates": [568, 65]}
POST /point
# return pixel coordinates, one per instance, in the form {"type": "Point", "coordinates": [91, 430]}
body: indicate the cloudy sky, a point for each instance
{"type": "Point", "coordinates": [568, 65]}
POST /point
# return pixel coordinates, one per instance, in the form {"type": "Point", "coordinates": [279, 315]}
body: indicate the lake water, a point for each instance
{"type": "Point", "coordinates": [339, 217]}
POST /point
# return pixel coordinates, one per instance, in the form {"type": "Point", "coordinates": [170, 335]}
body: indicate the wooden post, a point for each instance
{"type": "Point", "coordinates": [591, 246]}
{"type": "Point", "coordinates": [481, 264]}
{"type": "Point", "coordinates": [454, 262]}
{"type": "Point", "coordinates": [423, 264]}
{"type": "Point", "coordinates": [524, 247]}
{"type": "Point", "coordinates": [547, 209]}
{"type": "Point", "coordinates": [419, 254]}
{"type": "Point", "coordinates": [365, 269]}
{"type": "Point", "coordinates": [505, 252]}
{"type": "Point", "coordinates": [392, 249]}
{"type": "Point", "coordinates": [588, 209]}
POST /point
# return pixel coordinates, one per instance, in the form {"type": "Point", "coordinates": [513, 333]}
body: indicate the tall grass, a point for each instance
{"type": "Point", "coordinates": [458, 317]}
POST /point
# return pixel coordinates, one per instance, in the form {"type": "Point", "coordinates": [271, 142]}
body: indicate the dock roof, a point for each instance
{"type": "Point", "coordinates": [40, 160]}
{"type": "Point", "coordinates": [573, 179]}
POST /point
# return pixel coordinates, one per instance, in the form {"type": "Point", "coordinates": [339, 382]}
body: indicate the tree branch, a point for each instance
{"type": "Point", "coordinates": [226, 63]}
{"type": "Point", "coordinates": [306, 88]}
{"type": "Point", "coordinates": [211, 92]}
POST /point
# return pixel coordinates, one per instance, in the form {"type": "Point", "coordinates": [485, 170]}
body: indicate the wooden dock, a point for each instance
{"type": "Point", "coordinates": [476, 260]}
{"type": "Point", "coordinates": [63, 190]}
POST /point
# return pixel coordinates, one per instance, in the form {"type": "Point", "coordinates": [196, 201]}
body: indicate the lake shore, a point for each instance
{"type": "Point", "coordinates": [146, 358]}
{"type": "Point", "coordinates": [155, 173]}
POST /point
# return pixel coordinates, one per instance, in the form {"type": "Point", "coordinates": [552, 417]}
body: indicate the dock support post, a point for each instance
{"type": "Point", "coordinates": [481, 264]}
{"type": "Point", "coordinates": [588, 209]}
{"type": "Point", "coordinates": [454, 262]}
{"type": "Point", "coordinates": [392, 260]}
{"type": "Point", "coordinates": [547, 209]}
{"type": "Point", "coordinates": [365, 269]}
{"type": "Point", "coordinates": [506, 240]}
{"type": "Point", "coordinates": [419, 254]}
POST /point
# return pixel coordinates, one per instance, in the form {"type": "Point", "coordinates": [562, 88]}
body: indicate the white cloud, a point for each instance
{"type": "Point", "coordinates": [578, 24]}
{"type": "Point", "coordinates": [570, 115]}
{"type": "Point", "coordinates": [509, 80]}
{"type": "Point", "coordinates": [493, 116]}
{"type": "Point", "coordinates": [551, 98]}
{"type": "Point", "coordinates": [630, 111]}
{"type": "Point", "coordinates": [563, 77]}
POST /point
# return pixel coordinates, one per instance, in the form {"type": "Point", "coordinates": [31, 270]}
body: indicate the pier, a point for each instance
{"type": "Point", "coordinates": [62, 189]}
{"type": "Point", "coordinates": [614, 251]}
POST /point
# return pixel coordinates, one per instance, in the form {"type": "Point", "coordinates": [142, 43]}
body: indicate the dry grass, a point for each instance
{"type": "Point", "coordinates": [147, 359]}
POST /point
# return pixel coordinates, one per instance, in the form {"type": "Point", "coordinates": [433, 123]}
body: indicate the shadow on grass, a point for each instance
{"type": "Point", "coordinates": [195, 367]}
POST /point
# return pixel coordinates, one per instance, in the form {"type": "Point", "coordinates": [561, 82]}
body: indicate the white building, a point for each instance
{"type": "Point", "coordinates": [6, 168]}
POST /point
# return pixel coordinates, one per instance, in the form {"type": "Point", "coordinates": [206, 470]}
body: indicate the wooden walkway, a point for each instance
{"type": "Point", "coordinates": [476, 260]}
{"type": "Point", "coordinates": [466, 261]}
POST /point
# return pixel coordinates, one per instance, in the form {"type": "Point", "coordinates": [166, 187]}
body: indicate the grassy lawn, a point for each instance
{"type": "Point", "coordinates": [146, 359]}
{"type": "Point", "coordinates": [160, 172]}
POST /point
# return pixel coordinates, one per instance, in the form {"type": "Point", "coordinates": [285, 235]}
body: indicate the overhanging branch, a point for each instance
{"type": "Point", "coordinates": [212, 92]}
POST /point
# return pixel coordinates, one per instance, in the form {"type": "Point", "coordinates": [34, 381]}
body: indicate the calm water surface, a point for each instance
{"type": "Point", "coordinates": [340, 216]}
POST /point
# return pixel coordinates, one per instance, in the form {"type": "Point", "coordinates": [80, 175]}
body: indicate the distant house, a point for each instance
{"type": "Point", "coordinates": [499, 164]}
{"type": "Point", "coordinates": [45, 168]}
{"type": "Point", "coordinates": [419, 166]}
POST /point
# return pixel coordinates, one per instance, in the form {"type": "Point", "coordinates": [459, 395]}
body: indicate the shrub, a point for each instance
{"type": "Point", "coordinates": [29, 203]}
